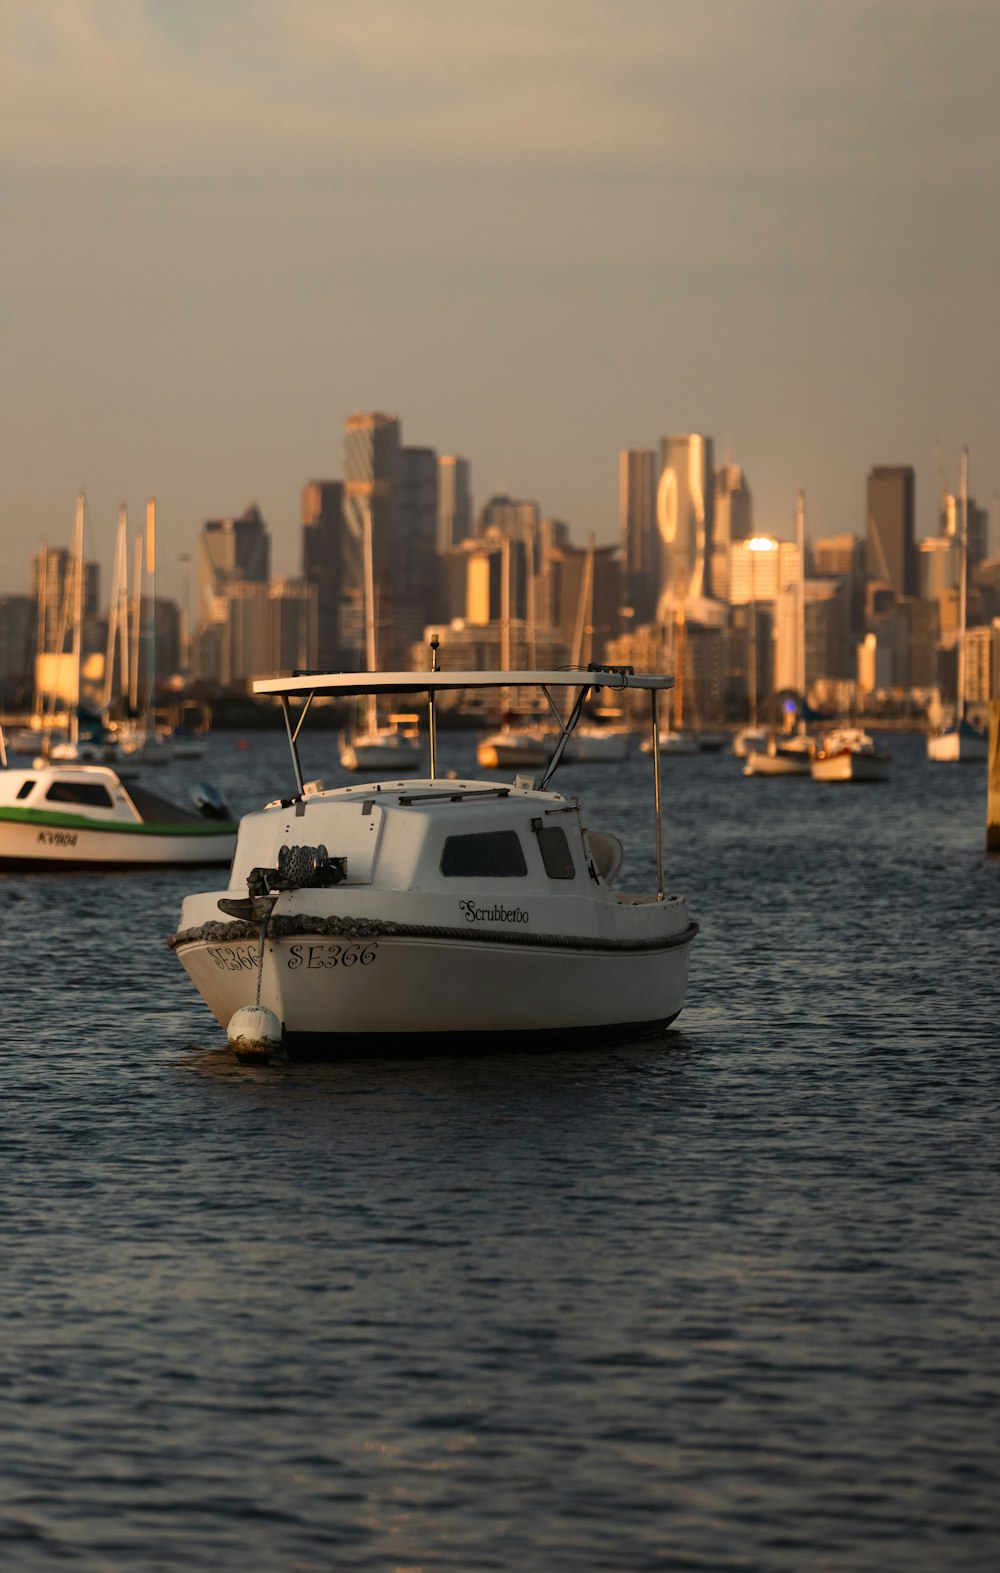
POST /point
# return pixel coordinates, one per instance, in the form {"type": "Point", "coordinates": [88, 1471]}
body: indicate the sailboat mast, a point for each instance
{"type": "Point", "coordinates": [800, 596]}
{"type": "Point", "coordinates": [505, 625]}
{"type": "Point", "coordinates": [963, 559]}
{"type": "Point", "coordinates": [77, 645]}
{"type": "Point", "coordinates": [371, 651]}
{"type": "Point", "coordinates": [114, 611]}
{"type": "Point", "coordinates": [133, 692]}
{"type": "Point", "coordinates": [151, 631]}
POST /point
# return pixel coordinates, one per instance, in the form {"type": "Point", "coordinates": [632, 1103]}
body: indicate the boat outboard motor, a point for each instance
{"type": "Point", "coordinates": [209, 801]}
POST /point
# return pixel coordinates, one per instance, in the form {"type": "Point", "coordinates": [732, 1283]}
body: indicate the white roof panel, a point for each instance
{"type": "Point", "coordinates": [348, 683]}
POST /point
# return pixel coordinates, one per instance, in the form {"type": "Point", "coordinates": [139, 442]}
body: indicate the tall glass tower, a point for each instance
{"type": "Point", "coordinates": [685, 497]}
{"type": "Point", "coordinates": [891, 536]}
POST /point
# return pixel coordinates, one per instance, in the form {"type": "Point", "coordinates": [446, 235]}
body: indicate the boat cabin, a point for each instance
{"type": "Point", "coordinates": [433, 836]}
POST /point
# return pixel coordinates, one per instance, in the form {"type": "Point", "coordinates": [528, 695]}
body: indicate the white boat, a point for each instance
{"type": "Point", "coordinates": [514, 747]}
{"type": "Point", "coordinates": [434, 913]}
{"type": "Point", "coordinates": [593, 744]}
{"type": "Point", "coordinates": [960, 743]}
{"type": "Point", "coordinates": [394, 748]}
{"type": "Point", "coordinates": [784, 756]}
{"type": "Point", "coordinates": [749, 740]}
{"type": "Point", "coordinates": [848, 753]}
{"type": "Point", "coordinates": [683, 744]}
{"type": "Point", "coordinates": [73, 816]}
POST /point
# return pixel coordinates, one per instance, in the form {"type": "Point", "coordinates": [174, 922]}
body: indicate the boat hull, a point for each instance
{"type": "Point", "coordinates": [682, 745]}
{"type": "Point", "coordinates": [55, 845]}
{"type": "Point", "coordinates": [333, 995]}
{"type": "Point", "coordinates": [851, 767]}
{"type": "Point", "coordinates": [958, 747]}
{"type": "Point", "coordinates": [777, 765]}
{"type": "Point", "coordinates": [596, 748]}
{"type": "Point", "coordinates": [379, 757]}
{"type": "Point", "coordinates": [494, 754]}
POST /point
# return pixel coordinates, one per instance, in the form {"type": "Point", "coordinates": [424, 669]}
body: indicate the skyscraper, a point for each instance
{"type": "Point", "coordinates": [685, 499]}
{"type": "Point", "coordinates": [733, 521]}
{"type": "Point", "coordinates": [234, 566]}
{"type": "Point", "coordinates": [891, 536]}
{"type": "Point", "coordinates": [322, 565]}
{"type": "Point", "coordinates": [415, 570]}
{"type": "Point", "coordinates": [230, 551]}
{"type": "Point", "coordinates": [454, 502]}
{"type": "Point", "coordinates": [637, 524]}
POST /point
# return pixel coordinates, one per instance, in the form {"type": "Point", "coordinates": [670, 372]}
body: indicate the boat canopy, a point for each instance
{"type": "Point", "coordinates": [349, 684]}
{"type": "Point", "coordinates": [307, 686]}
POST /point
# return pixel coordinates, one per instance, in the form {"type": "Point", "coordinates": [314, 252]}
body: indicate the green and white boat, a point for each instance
{"type": "Point", "coordinates": [87, 816]}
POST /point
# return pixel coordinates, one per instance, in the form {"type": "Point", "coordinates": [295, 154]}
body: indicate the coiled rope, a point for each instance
{"type": "Point", "coordinates": [288, 927]}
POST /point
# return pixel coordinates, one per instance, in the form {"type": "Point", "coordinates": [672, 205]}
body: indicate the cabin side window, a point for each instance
{"type": "Point", "coordinates": [88, 793]}
{"type": "Point", "coordinates": [556, 854]}
{"type": "Point", "coordinates": [26, 789]}
{"type": "Point", "coordinates": [488, 854]}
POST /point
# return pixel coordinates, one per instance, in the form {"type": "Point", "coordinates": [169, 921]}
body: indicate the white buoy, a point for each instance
{"type": "Point", "coordinates": [254, 1032]}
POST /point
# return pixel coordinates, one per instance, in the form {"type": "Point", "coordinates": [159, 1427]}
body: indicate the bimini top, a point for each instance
{"type": "Point", "coordinates": [349, 683]}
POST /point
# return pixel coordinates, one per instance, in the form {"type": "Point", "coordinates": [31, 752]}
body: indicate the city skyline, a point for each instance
{"type": "Point", "coordinates": [539, 237]}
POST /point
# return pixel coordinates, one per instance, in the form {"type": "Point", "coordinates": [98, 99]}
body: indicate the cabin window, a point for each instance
{"type": "Point", "coordinates": [27, 787]}
{"type": "Point", "coordinates": [490, 854]}
{"type": "Point", "coordinates": [90, 794]}
{"type": "Point", "coordinates": [555, 850]}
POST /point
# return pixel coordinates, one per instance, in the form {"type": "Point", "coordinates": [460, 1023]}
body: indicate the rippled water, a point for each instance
{"type": "Point", "coordinates": [728, 1301]}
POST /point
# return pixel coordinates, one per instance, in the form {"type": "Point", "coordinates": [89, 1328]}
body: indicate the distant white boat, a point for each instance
{"type": "Point", "coordinates": [394, 748]}
{"type": "Point", "coordinates": [591, 744]}
{"type": "Point", "coordinates": [682, 744]}
{"type": "Point", "coordinates": [847, 753]}
{"type": "Point", "coordinates": [783, 756]}
{"type": "Point", "coordinates": [511, 747]}
{"type": "Point", "coordinates": [749, 740]}
{"type": "Point", "coordinates": [962, 744]}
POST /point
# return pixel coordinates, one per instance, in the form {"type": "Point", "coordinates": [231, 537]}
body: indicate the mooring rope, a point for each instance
{"type": "Point", "coordinates": [378, 928]}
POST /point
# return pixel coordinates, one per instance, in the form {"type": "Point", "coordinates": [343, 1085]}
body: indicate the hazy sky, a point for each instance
{"type": "Point", "coordinates": [536, 230]}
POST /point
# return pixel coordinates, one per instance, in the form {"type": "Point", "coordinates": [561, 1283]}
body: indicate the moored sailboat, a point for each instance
{"type": "Point", "coordinates": [395, 747]}
{"type": "Point", "coordinates": [848, 753]}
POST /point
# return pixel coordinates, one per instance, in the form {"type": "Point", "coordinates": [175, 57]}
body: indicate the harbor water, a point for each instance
{"type": "Point", "coordinates": [728, 1300]}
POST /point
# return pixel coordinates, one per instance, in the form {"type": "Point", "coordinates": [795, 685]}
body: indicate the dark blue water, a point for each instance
{"type": "Point", "coordinates": [727, 1301]}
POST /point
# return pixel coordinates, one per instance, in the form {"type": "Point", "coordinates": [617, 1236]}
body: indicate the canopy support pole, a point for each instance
{"type": "Point", "coordinates": [431, 713]}
{"type": "Point", "coordinates": [292, 743]}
